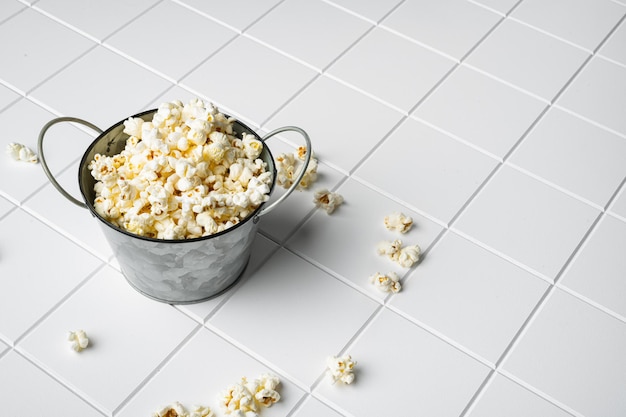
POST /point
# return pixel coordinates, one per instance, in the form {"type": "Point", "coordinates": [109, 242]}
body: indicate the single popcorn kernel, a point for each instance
{"type": "Point", "coordinates": [398, 222]}
{"type": "Point", "coordinates": [405, 256]}
{"type": "Point", "coordinates": [173, 410]}
{"type": "Point", "coordinates": [341, 369]}
{"type": "Point", "coordinates": [79, 340]}
{"type": "Point", "coordinates": [245, 398]}
{"type": "Point", "coordinates": [386, 283]}
{"type": "Point", "coordinates": [327, 200]}
{"type": "Point", "coordinates": [22, 153]}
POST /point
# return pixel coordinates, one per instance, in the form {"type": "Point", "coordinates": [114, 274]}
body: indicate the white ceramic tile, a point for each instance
{"type": "Point", "coordinates": [281, 221]}
{"type": "Point", "coordinates": [598, 270]}
{"type": "Point", "coordinates": [338, 131]}
{"type": "Point", "coordinates": [346, 240]}
{"type": "Point", "coordinates": [170, 52]}
{"type": "Point", "coordinates": [583, 22]}
{"type": "Point", "coordinates": [103, 98]}
{"type": "Point", "coordinates": [28, 391]}
{"type": "Point", "coordinates": [427, 169]}
{"type": "Point", "coordinates": [618, 207]}
{"type": "Point", "coordinates": [500, 6]}
{"type": "Point", "coordinates": [238, 14]}
{"type": "Point", "coordinates": [615, 46]}
{"type": "Point", "coordinates": [372, 10]}
{"type": "Point", "coordinates": [95, 18]}
{"type": "Point", "coordinates": [120, 324]}
{"type": "Point", "coordinates": [5, 206]}
{"type": "Point", "coordinates": [565, 149]}
{"type": "Point", "coordinates": [262, 248]}
{"type": "Point", "coordinates": [292, 297]}
{"type": "Point", "coordinates": [599, 94]}
{"type": "Point", "coordinates": [199, 372]}
{"type": "Point", "coordinates": [504, 397]}
{"type": "Point", "coordinates": [293, 27]}
{"type": "Point", "coordinates": [480, 110]}
{"type": "Point", "coordinates": [248, 80]}
{"type": "Point", "coordinates": [479, 300]}
{"type": "Point", "coordinates": [315, 408]}
{"type": "Point", "coordinates": [78, 223]}
{"type": "Point", "coordinates": [38, 267]}
{"type": "Point", "coordinates": [7, 97]}
{"type": "Point", "coordinates": [527, 221]}
{"type": "Point", "coordinates": [391, 76]}
{"type": "Point", "coordinates": [527, 58]}
{"type": "Point", "coordinates": [401, 367]}
{"type": "Point", "coordinates": [452, 27]}
{"type": "Point", "coordinates": [10, 8]}
{"type": "Point", "coordinates": [573, 353]}
{"type": "Point", "coordinates": [34, 55]}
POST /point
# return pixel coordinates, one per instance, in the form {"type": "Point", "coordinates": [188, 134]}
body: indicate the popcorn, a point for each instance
{"type": "Point", "coordinates": [173, 410]}
{"type": "Point", "coordinates": [184, 164]}
{"type": "Point", "coordinates": [245, 398]}
{"type": "Point", "coordinates": [341, 368]}
{"type": "Point", "coordinates": [327, 200]}
{"type": "Point", "coordinates": [79, 340]}
{"type": "Point", "coordinates": [20, 152]}
{"type": "Point", "coordinates": [386, 283]}
{"type": "Point", "coordinates": [201, 411]}
{"type": "Point", "coordinates": [288, 164]}
{"type": "Point", "coordinates": [405, 256]}
{"type": "Point", "coordinates": [398, 222]}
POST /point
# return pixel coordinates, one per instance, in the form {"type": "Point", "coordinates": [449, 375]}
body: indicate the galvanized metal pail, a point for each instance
{"type": "Point", "coordinates": [173, 271]}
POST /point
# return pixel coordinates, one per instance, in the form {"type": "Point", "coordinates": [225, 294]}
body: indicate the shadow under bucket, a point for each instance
{"type": "Point", "coordinates": [181, 271]}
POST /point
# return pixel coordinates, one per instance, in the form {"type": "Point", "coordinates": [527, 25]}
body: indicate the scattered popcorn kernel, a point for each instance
{"type": "Point", "coordinates": [405, 256]}
{"type": "Point", "coordinates": [201, 411]}
{"type": "Point", "coordinates": [21, 153]}
{"type": "Point", "coordinates": [79, 340]}
{"type": "Point", "coordinates": [173, 410]}
{"type": "Point", "coordinates": [264, 389]}
{"type": "Point", "coordinates": [288, 166]}
{"type": "Point", "coordinates": [247, 397]}
{"type": "Point", "coordinates": [398, 222]}
{"type": "Point", "coordinates": [386, 283]}
{"type": "Point", "coordinates": [327, 200]}
{"type": "Point", "coordinates": [341, 368]}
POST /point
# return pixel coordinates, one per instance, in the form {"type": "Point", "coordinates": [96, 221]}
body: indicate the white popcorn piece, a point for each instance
{"type": "Point", "coordinates": [175, 409]}
{"type": "Point", "coordinates": [405, 256]}
{"type": "Point", "coordinates": [78, 339]}
{"type": "Point", "coordinates": [246, 398]}
{"type": "Point", "coordinates": [398, 222]}
{"type": "Point", "coordinates": [201, 411]}
{"type": "Point", "coordinates": [22, 153]}
{"type": "Point", "coordinates": [327, 200]}
{"type": "Point", "coordinates": [288, 166]}
{"type": "Point", "coordinates": [389, 282]}
{"type": "Point", "coordinates": [341, 369]}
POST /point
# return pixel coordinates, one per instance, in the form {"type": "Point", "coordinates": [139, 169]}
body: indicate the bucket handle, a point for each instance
{"type": "Point", "coordinates": [44, 164]}
{"type": "Point", "coordinates": [300, 175]}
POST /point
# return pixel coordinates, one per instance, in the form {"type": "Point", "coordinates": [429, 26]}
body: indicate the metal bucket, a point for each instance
{"type": "Point", "coordinates": [173, 271]}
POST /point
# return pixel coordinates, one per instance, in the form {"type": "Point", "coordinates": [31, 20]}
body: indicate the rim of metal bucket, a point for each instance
{"type": "Point", "coordinates": [254, 216]}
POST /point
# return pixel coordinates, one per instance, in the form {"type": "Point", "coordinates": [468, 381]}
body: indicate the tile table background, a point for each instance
{"type": "Point", "coordinates": [498, 125]}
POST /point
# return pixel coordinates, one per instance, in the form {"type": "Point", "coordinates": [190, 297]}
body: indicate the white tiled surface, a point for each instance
{"type": "Point", "coordinates": [498, 125]}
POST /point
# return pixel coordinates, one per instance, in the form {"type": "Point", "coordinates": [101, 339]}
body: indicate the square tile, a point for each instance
{"type": "Point", "coordinates": [583, 22]}
{"type": "Point", "coordinates": [480, 300]}
{"type": "Point", "coordinates": [197, 374]}
{"type": "Point", "coordinates": [573, 353]}
{"type": "Point", "coordinates": [293, 27]}
{"type": "Point", "coordinates": [426, 169]}
{"type": "Point", "coordinates": [43, 51]}
{"type": "Point", "coordinates": [316, 323]}
{"type": "Point", "coordinates": [504, 397]}
{"type": "Point", "coordinates": [7, 97]}
{"type": "Point", "coordinates": [35, 271]}
{"type": "Point", "coordinates": [238, 14]}
{"type": "Point", "coordinates": [10, 8]}
{"type": "Point", "coordinates": [414, 72]}
{"type": "Point", "coordinates": [574, 154]}
{"type": "Point", "coordinates": [452, 27]}
{"type": "Point", "coordinates": [346, 240]}
{"type": "Point", "coordinates": [120, 324]}
{"type": "Point", "coordinates": [599, 94]}
{"type": "Point", "coordinates": [480, 110]}
{"type": "Point", "coordinates": [315, 408]}
{"type": "Point", "coordinates": [528, 59]}
{"type": "Point", "coordinates": [499, 6]}
{"type": "Point", "coordinates": [598, 270]}
{"type": "Point", "coordinates": [615, 47]}
{"type": "Point", "coordinates": [400, 366]}
{"type": "Point", "coordinates": [27, 390]}
{"type": "Point", "coordinates": [5, 206]}
{"type": "Point", "coordinates": [374, 11]}
{"type": "Point", "coordinates": [248, 80]}
{"type": "Point", "coordinates": [339, 134]}
{"type": "Point", "coordinates": [527, 221]}
{"type": "Point", "coordinates": [82, 90]}
{"type": "Point", "coordinates": [165, 51]}
{"type": "Point", "coordinates": [95, 18]}
{"type": "Point", "coordinates": [618, 207]}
